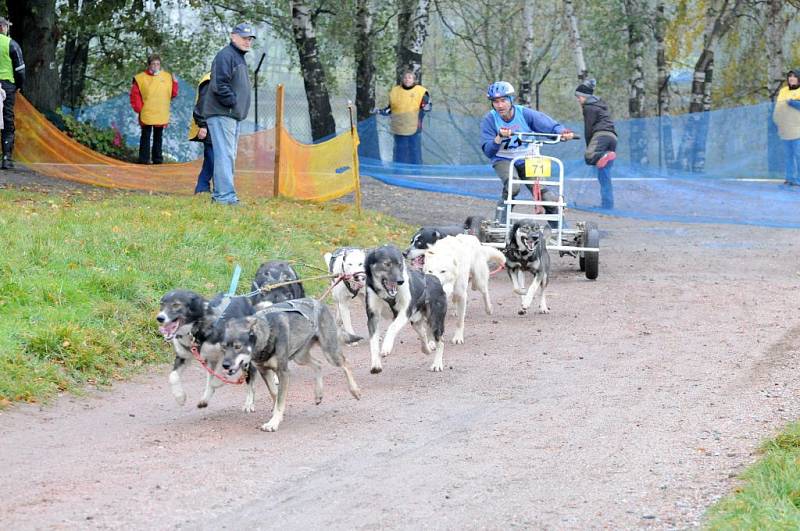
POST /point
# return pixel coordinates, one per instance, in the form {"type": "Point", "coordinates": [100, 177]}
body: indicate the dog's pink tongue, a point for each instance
{"type": "Point", "coordinates": [169, 329]}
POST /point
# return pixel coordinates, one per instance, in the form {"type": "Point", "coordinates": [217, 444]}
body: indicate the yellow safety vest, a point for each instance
{"type": "Point", "coordinates": [156, 96]}
{"type": "Point", "coordinates": [785, 117]}
{"type": "Point", "coordinates": [193, 128]}
{"type": "Point", "coordinates": [405, 105]}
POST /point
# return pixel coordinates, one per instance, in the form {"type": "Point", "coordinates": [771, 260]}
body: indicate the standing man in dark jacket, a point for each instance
{"type": "Point", "coordinates": [12, 77]}
{"type": "Point", "coordinates": [226, 105]}
{"type": "Point", "coordinates": [198, 132]}
{"type": "Point", "coordinates": [601, 139]}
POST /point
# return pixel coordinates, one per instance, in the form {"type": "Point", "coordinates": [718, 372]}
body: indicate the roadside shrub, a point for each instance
{"type": "Point", "coordinates": [106, 141]}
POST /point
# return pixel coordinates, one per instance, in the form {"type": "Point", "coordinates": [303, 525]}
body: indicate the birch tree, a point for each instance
{"type": "Point", "coordinates": [526, 56]}
{"type": "Point", "coordinates": [666, 149]}
{"type": "Point", "coordinates": [719, 18]}
{"type": "Point", "coordinates": [412, 29]}
{"type": "Point", "coordinates": [575, 40]}
{"type": "Point", "coordinates": [634, 11]}
{"type": "Point", "coordinates": [305, 39]}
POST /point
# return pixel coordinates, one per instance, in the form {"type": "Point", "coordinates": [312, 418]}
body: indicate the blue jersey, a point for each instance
{"type": "Point", "coordinates": [525, 120]}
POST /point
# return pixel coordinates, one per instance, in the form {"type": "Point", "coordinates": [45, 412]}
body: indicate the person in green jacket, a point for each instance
{"type": "Point", "coordinates": [12, 78]}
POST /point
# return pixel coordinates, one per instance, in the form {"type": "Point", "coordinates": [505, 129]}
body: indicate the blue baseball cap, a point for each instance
{"type": "Point", "coordinates": [244, 30]}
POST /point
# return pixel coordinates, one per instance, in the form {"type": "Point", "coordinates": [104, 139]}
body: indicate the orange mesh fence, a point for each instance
{"type": "Point", "coordinates": [318, 172]}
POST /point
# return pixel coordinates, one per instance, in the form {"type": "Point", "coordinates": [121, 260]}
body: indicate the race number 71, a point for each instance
{"type": "Point", "coordinates": [537, 167]}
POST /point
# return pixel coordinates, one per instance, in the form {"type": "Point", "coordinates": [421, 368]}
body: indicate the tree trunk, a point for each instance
{"type": "Point", "coordinates": [34, 28]}
{"type": "Point", "coordinates": [412, 29]}
{"type": "Point", "coordinates": [526, 61]}
{"type": "Point", "coordinates": [666, 150]}
{"type": "Point", "coordinates": [73, 70]}
{"type": "Point", "coordinates": [777, 23]}
{"type": "Point", "coordinates": [319, 102]}
{"type": "Point", "coordinates": [719, 19]}
{"type": "Point", "coordinates": [575, 40]}
{"type": "Point", "coordinates": [365, 81]}
{"type": "Point", "coordinates": [636, 92]}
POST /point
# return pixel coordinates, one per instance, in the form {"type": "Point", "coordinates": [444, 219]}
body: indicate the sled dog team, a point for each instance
{"type": "Point", "coordinates": [237, 336]}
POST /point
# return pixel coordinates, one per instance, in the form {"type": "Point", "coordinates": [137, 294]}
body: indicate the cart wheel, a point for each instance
{"type": "Point", "coordinates": [591, 261]}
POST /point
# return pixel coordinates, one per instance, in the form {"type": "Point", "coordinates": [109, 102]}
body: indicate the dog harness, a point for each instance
{"type": "Point", "coordinates": [342, 251]}
{"type": "Point", "coordinates": [303, 307]}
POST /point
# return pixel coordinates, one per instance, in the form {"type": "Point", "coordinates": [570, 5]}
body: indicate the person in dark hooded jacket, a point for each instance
{"type": "Point", "coordinates": [601, 138]}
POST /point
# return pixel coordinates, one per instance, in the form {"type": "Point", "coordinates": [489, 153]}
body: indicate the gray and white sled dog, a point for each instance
{"type": "Point", "coordinates": [347, 261]}
{"type": "Point", "coordinates": [272, 273]}
{"type": "Point", "coordinates": [284, 332]}
{"type": "Point", "coordinates": [188, 319]}
{"type": "Point", "coordinates": [460, 262]}
{"type": "Point", "coordinates": [527, 251]}
{"type": "Point", "coordinates": [401, 294]}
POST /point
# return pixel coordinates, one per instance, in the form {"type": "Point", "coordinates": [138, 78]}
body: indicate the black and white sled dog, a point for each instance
{"type": "Point", "coordinates": [276, 272]}
{"type": "Point", "coordinates": [527, 251]}
{"type": "Point", "coordinates": [187, 319]}
{"type": "Point", "coordinates": [427, 236]}
{"type": "Point", "coordinates": [347, 261]}
{"type": "Point", "coordinates": [284, 332]}
{"type": "Point", "coordinates": [460, 262]}
{"type": "Point", "coordinates": [402, 294]}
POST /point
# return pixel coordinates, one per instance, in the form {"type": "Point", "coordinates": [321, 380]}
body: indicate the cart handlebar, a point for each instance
{"type": "Point", "coordinates": [541, 138]}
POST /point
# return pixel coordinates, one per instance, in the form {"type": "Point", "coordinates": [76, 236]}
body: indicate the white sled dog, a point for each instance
{"type": "Point", "coordinates": [347, 261]}
{"type": "Point", "coordinates": [460, 262]}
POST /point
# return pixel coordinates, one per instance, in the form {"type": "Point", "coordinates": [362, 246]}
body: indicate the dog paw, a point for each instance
{"type": "Point", "coordinates": [376, 370]}
{"type": "Point", "coordinates": [385, 353]}
{"type": "Point", "coordinates": [180, 399]}
{"type": "Point", "coordinates": [202, 404]}
{"type": "Point", "coordinates": [489, 310]}
{"type": "Point", "coordinates": [522, 311]}
{"type": "Point", "coordinates": [520, 291]}
{"type": "Point", "coordinates": [317, 400]}
{"type": "Point", "coordinates": [356, 393]}
{"type": "Point", "coordinates": [270, 426]}
{"type": "Point", "coordinates": [458, 339]}
{"type": "Point", "coordinates": [249, 408]}
{"type": "Point", "coordinates": [436, 367]}
{"type": "Point", "coordinates": [544, 310]}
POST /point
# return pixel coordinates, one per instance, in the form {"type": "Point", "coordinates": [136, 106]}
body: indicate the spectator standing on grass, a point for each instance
{"type": "Point", "coordinates": [499, 143]}
{"type": "Point", "coordinates": [151, 94]}
{"type": "Point", "coordinates": [198, 132]}
{"type": "Point", "coordinates": [787, 117]}
{"type": "Point", "coordinates": [225, 106]}
{"type": "Point", "coordinates": [408, 103]}
{"type": "Point", "coordinates": [601, 138]}
{"type": "Point", "coordinates": [12, 78]}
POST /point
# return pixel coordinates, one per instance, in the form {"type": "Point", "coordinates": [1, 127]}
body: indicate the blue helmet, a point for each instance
{"type": "Point", "coordinates": [501, 89]}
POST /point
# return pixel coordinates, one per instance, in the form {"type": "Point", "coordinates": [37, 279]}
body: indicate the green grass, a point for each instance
{"type": "Point", "coordinates": [769, 497]}
{"type": "Point", "coordinates": [80, 279]}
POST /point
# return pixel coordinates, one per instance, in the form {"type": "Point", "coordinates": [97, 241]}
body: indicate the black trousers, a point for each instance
{"type": "Point", "coordinates": [144, 144]}
{"type": "Point", "coordinates": [8, 117]}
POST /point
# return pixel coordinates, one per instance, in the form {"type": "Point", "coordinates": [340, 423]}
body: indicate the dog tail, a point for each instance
{"type": "Point", "coordinates": [492, 254]}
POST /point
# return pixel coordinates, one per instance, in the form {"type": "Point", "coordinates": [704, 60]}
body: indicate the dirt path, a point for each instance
{"type": "Point", "coordinates": [632, 404]}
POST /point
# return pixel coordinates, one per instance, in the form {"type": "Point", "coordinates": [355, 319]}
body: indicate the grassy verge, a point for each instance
{"type": "Point", "coordinates": [769, 497]}
{"type": "Point", "coordinates": [80, 279]}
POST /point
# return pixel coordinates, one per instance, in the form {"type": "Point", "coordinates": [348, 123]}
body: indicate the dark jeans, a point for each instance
{"type": "Point", "coordinates": [408, 149]}
{"type": "Point", "coordinates": [8, 117]}
{"type": "Point", "coordinates": [207, 171]}
{"type": "Point", "coordinates": [144, 144]}
{"type": "Point", "coordinates": [601, 143]}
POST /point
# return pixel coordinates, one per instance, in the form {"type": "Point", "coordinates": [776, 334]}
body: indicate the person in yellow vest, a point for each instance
{"type": "Point", "coordinates": [151, 94]}
{"type": "Point", "coordinates": [787, 117]}
{"type": "Point", "coordinates": [408, 102]}
{"type": "Point", "coordinates": [12, 77]}
{"type": "Point", "coordinates": [198, 132]}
